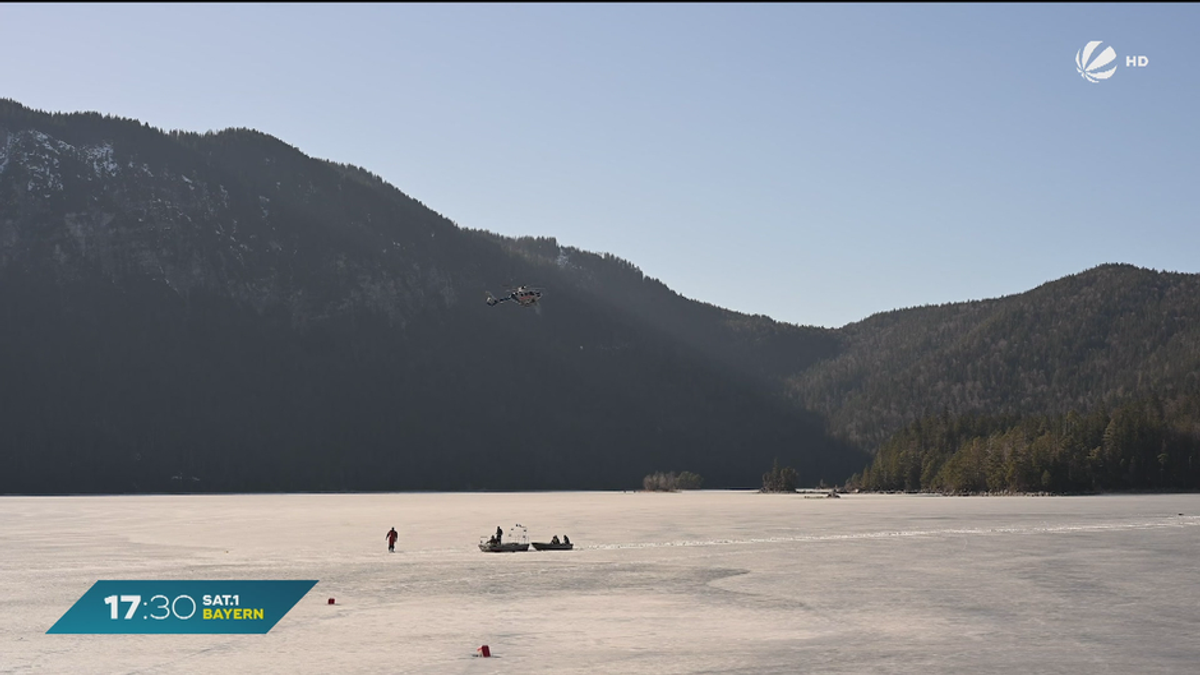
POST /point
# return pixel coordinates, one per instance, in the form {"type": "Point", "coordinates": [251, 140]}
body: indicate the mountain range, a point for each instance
{"type": "Point", "coordinates": [220, 312]}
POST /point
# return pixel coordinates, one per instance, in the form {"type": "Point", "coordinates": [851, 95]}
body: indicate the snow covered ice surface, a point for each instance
{"type": "Point", "coordinates": [692, 582]}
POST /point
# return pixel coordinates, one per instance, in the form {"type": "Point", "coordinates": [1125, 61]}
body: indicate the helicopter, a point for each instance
{"type": "Point", "coordinates": [522, 295]}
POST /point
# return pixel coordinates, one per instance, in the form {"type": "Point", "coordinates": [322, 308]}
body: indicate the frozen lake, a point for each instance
{"type": "Point", "coordinates": [693, 582]}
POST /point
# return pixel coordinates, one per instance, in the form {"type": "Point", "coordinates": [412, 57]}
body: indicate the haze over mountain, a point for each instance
{"type": "Point", "coordinates": [221, 307]}
{"type": "Point", "coordinates": [221, 312]}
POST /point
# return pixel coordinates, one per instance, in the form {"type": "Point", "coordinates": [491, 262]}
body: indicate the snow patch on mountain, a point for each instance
{"type": "Point", "coordinates": [4, 150]}
{"type": "Point", "coordinates": [101, 159]}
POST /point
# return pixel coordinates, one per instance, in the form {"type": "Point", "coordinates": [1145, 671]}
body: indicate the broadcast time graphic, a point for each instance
{"type": "Point", "coordinates": [178, 607]}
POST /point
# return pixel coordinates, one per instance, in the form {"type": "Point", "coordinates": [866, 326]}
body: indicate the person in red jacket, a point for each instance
{"type": "Point", "coordinates": [391, 539]}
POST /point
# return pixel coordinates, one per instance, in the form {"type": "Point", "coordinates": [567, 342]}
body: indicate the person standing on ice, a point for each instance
{"type": "Point", "coordinates": [392, 535]}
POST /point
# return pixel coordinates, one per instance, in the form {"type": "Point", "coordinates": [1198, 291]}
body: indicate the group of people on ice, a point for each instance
{"type": "Point", "coordinates": [495, 539]}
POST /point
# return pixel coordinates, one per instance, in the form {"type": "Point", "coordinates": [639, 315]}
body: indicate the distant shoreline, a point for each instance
{"type": "Point", "coordinates": [809, 492]}
{"type": "Point", "coordinates": [1020, 494]}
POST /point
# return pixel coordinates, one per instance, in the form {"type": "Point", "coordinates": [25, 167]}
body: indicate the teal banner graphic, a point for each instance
{"type": "Point", "coordinates": [181, 607]}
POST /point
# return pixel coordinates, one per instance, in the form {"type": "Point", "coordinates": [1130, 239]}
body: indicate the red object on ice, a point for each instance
{"type": "Point", "coordinates": [331, 601]}
{"type": "Point", "coordinates": [484, 651]}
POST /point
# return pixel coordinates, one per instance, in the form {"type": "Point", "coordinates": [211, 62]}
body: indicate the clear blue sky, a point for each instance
{"type": "Point", "coordinates": [814, 163]}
